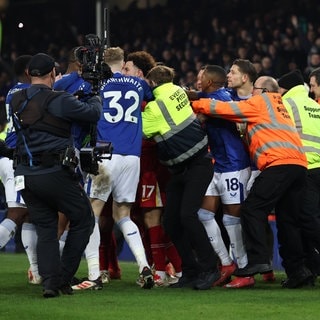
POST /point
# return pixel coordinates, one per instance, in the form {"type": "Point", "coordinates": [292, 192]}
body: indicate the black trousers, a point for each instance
{"type": "Point", "coordinates": [44, 196]}
{"type": "Point", "coordinates": [278, 187]}
{"type": "Point", "coordinates": [310, 219]}
{"type": "Point", "coordinates": [185, 192]}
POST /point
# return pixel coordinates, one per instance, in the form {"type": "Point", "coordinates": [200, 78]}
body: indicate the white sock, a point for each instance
{"type": "Point", "coordinates": [29, 240]}
{"type": "Point", "coordinates": [62, 241]}
{"type": "Point", "coordinates": [7, 231]}
{"type": "Point", "coordinates": [92, 253]}
{"type": "Point", "coordinates": [133, 238]}
{"type": "Point", "coordinates": [233, 227]}
{"type": "Point", "coordinates": [214, 234]}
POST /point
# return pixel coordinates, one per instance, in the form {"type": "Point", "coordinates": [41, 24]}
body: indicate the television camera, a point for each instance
{"type": "Point", "coordinates": [94, 69]}
{"type": "Point", "coordinates": [91, 156]}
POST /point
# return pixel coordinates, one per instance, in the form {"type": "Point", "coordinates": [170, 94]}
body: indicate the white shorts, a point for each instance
{"type": "Point", "coordinates": [13, 198]}
{"type": "Point", "coordinates": [230, 186]}
{"type": "Point", "coordinates": [118, 176]}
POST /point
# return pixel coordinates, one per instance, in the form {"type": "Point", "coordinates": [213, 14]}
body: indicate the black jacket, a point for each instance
{"type": "Point", "coordinates": [36, 140]}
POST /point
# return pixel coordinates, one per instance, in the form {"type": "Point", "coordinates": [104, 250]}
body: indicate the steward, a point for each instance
{"type": "Point", "coordinates": [276, 149]}
{"type": "Point", "coordinates": [183, 148]}
{"type": "Point", "coordinates": [305, 113]}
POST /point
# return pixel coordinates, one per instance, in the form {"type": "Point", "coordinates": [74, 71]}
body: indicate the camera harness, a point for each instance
{"type": "Point", "coordinates": [36, 116]}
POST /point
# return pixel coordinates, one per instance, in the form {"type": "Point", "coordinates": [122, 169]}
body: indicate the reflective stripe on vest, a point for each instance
{"type": "Point", "coordinates": [173, 127]}
{"type": "Point", "coordinates": [175, 130]}
{"type": "Point", "coordinates": [298, 122]}
{"type": "Point", "coordinates": [273, 125]}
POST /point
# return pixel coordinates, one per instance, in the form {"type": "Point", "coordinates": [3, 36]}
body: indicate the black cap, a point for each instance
{"type": "Point", "coordinates": [40, 65]}
{"type": "Point", "coordinates": [291, 79]}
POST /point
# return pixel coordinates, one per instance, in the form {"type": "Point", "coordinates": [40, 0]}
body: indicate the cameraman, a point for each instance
{"type": "Point", "coordinates": [45, 161]}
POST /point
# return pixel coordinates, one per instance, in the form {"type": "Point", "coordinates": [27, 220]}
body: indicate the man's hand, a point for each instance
{"type": "Point", "coordinates": [5, 151]}
{"type": "Point", "coordinates": [192, 95]}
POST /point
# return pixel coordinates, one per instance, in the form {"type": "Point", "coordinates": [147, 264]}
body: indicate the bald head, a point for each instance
{"type": "Point", "coordinates": [265, 84]}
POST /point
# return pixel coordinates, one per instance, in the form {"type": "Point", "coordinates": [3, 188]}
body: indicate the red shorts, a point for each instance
{"type": "Point", "coordinates": [153, 180]}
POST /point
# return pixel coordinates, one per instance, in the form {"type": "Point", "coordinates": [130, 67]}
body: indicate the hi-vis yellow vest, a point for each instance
{"type": "Point", "coordinates": [171, 122]}
{"type": "Point", "coordinates": [305, 112]}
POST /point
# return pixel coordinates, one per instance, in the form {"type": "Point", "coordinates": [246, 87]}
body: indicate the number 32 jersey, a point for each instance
{"type": "Point", "coordinates": [120, 120]}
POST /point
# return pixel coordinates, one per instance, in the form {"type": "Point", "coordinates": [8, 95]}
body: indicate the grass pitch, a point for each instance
{"type": "Point", "coordinates": [123, 299]}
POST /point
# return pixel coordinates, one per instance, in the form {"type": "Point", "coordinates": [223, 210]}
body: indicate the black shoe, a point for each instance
{"type": "Point", "coordinates": [206, 280]}
{"type": "Point", "coordinates": [48, 293]}
{"type": "Point", "coordinates": [145, 280]}
{"type": "Point", "coordinates": [75, 281]}
{"type": "Point", "coordinates": [301, 278]}
{"type": "Point", "coordinates": [186, 281]}
{"type": "Point", "coordinates": [252, 269]}
{"type": "Point", "coordinates": [66, 289]}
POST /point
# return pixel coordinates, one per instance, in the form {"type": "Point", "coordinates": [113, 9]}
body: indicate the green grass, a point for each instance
{"type": "Point", "coordinates": [123, 299]}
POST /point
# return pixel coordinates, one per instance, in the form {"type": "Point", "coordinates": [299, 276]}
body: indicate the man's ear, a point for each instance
{"type": "Point", "coordinates": [244, 77]}
{"type": "Point", "coordinates": [140, 73]}
{"type": "Point", "coordinates": [152, 84]}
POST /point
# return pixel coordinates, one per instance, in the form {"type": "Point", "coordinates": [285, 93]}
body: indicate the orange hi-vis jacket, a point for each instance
{"type": "Point", "coordinates": [271, 135]}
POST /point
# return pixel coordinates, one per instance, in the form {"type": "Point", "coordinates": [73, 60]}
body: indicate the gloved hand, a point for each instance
{"type": "Point", "coordinates": [5, 151]}
{"type": "Point", "coordinates": [254, 174]}
{"type": "Point", "coordinates": [201, 106]}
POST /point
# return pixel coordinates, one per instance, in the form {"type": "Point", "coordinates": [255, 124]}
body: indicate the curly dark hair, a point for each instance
{"type": "Point", "coordinates": [143, 60]}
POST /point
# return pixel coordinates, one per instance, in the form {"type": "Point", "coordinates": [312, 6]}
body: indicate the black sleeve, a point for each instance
{"type": "Point", "coordinates": [68, 107]}
{"type": "Point", "coordinates": [5, 151]}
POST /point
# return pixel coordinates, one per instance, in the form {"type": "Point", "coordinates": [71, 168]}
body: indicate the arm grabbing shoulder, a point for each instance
{"type": "Point", "coordinates": [150, 120]}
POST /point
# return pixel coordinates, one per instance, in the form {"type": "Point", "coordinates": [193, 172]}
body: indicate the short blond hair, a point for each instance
{"type": "Point", "coordinates": [113, 55]}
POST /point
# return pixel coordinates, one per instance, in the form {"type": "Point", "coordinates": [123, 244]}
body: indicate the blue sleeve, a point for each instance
{"type": "Point", "coordinates": [201, 95]}
{"type": "Point", "coordinates": [148, 95]}
{"type": "Point", "coordinates": [65, 82]}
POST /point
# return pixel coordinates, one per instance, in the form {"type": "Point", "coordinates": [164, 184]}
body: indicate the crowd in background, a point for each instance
{"type": "Point", "coordinates": [183, 35]}
{"type": "Point", "coordinates": [186, 38]}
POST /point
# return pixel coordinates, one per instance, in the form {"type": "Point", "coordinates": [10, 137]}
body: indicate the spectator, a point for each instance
{"type": "Point", "coordinates": [314, 63]}
{"type": "Point", "coordinates": [267, 66]}
{"type": "Point", "coordinates": [314, 82]}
